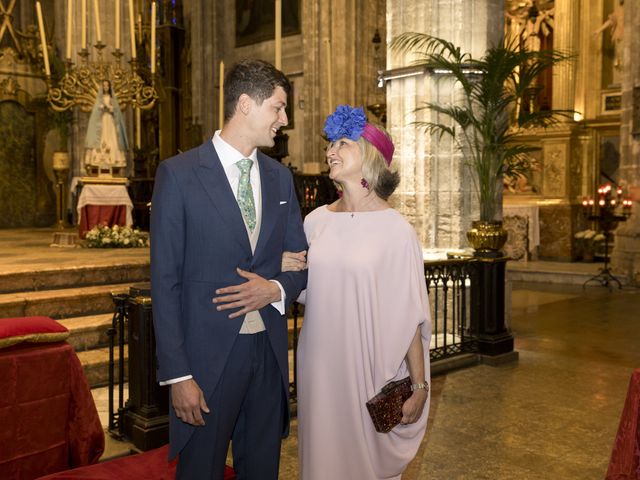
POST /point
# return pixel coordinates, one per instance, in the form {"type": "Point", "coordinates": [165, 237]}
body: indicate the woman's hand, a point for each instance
{"type": "Point", "coordinates": [294, 261]}
{"type": "Point", "coordinates": [412, 408]}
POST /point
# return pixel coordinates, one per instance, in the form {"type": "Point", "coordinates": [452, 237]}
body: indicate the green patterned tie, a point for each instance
{"type": "Point", "coordinates": [245, 193]}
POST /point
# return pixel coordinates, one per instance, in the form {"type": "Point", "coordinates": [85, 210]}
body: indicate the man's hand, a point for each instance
{"type": "Point", "coordinates": [188, 402]}
{"type": "Point", "coordinates": [254, 294]}
{"type": "Point", "coordinates": [294, 261]}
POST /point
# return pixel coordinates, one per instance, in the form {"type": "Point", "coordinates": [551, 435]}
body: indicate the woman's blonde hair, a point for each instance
{"type": "Point", "coordinates": [375, 171]}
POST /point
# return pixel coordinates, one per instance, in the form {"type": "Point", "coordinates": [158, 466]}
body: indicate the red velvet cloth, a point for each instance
{"type": "Point", "coordinates": [31, 329]}
{"type": "Point", "coordinates": [625, 458]}
{"type": "Point", "coordinates": [48, 420]}
{"type": "Point", "coordinates": [151, 465]}
{"type": "Point", "coordinates": [92, 215]}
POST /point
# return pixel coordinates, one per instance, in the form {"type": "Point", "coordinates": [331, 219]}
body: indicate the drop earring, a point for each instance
{"type": "Point", "coordinates": [364, 184]}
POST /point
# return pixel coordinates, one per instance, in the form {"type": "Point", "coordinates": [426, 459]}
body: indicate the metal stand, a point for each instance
{"type": "Point", "coordinates": [604, 277]}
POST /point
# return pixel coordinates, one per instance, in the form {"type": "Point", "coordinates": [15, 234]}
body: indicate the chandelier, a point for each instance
{"type": "Point", "coordinates": [80, 83]}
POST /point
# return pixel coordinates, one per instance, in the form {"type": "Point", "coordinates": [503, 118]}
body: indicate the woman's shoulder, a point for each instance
{"type": "Point", "coordinates": [316, 213]}
{"type": "Point", "coordinates": [399, 227]}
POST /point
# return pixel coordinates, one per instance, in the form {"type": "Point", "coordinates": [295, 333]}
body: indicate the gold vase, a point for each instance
{"type": "Point", "coordinates": [487, 238]}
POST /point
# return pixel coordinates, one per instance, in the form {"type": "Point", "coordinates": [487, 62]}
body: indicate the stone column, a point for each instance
{"type": "Point", "coordinates": [561, 151]}
{"type": "Point", "coordinates": [565, 39]}
{"type": "Point", "coordinates": [349, 26]}
{"type": "Point", "coordinates": [203, 21]}
{"type": "Point", "coordinates": [626, 254]}
{"type": "Point", "coordinates": [436, 192]}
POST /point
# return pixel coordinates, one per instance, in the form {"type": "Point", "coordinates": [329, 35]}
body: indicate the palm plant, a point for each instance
{"type": "Point", "coordinates": [482, 124]}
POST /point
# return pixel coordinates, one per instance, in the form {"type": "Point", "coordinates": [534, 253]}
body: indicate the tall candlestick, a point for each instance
{"type": "Point", "coordinates": [69, 28]}
{"type": "Point", "coordinates": [278, 42]}
{"type": "Point", "coordinates": [43, 39]}
{"type": "Point", "coordinates": [83, 14]}
{"type": "Point", "coordinates": [221, 98]}
{"type": "Point", "coordinates": [153, 38]}
{"type": "Point", "coordinates": [329, 75]}
{"type": "Point", "coordinates": [97, 18]}
{"type": "Point", "coordinates": [132, 30]}
{"type": "Point", "coordinates": [117, 42]}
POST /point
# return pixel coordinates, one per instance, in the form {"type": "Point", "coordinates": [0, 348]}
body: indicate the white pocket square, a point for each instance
{"type": "Point", "coordinates": [282, 202]}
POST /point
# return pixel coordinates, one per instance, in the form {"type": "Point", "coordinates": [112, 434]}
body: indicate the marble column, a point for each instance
{"type": "Point", "coordinates": [626, 254]}
{"type": "Point", "coordinates": [436, 193]}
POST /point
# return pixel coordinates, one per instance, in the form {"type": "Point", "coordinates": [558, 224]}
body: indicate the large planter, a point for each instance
{"type": "Point", "coordinates": [487, 238]}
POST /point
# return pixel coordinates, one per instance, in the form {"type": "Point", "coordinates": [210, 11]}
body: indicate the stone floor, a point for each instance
{"type": "Point", "coordinates": [551, 415]}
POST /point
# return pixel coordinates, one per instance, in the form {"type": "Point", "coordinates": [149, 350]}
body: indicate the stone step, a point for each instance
{"type": "Point", "coordinates": [95, 364]}
{"type": "Point", "coordinates": [63, 303]}
{"type": "Point", "coordinates": [88, 332]}
{"type": "Point", "coordinates": [565, 273]}
{"type": "Point", "coordinates": [89, 339]}
{"type": "Point", "coordinates": [74, 276]}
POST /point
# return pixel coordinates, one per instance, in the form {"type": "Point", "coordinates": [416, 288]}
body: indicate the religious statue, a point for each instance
{"type": "Point", "coordinates": [529, 22]}
{"type": "Point", "coordinates": [106, 140]}
{"type": "Point", "coordinates": [615, 23]}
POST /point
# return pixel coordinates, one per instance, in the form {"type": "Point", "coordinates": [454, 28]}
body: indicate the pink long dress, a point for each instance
{"type": "Point", "coordinates": [365, 297]}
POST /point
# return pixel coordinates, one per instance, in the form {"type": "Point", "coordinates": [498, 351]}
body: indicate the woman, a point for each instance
{"type": "Point", "coordinates": [367, 319]}
{"type": "Point", "coordinates": [106, 140]}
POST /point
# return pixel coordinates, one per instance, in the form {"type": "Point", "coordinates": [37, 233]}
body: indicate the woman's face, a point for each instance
{"type": "Point", "coordinates": [106, 86]}
{"type": "Point", "coordinates": [345, 160]}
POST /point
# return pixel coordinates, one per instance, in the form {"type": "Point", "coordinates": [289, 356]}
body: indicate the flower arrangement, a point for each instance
{"type": "Point", "coordinates": [589, 242]}
{"type": "Point", "coordinates": [103, 236]}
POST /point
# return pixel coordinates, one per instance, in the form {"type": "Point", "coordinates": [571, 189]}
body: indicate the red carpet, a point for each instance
{"type": "Point", "coordinates": [151, 465]}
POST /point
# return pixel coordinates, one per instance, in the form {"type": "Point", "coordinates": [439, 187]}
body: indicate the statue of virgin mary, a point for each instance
{"type": "Point", "coordinates": [106, 141]}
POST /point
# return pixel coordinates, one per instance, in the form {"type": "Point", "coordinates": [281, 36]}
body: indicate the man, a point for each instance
{"type": "Point", "coordinates": [222, 215]}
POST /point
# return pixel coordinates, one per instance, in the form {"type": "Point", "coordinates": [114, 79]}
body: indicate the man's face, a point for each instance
{"type": "Point", "coordinates": [267, 118]}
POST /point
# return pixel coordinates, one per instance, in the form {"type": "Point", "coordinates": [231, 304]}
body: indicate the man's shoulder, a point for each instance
{"type": "Point", "coordinates": [189, 157]}
{"type": "Point", "coordinates": [272, 163]}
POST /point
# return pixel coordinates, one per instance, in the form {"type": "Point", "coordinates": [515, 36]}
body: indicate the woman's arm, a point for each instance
{"type": "Point", "coordinates": [412, 408]}
{"type": "Point", "coordinates": [294, 261]}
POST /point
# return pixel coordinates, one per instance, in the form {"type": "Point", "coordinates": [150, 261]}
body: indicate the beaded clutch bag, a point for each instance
{"type": "Point", "coordinates": [386, 407]}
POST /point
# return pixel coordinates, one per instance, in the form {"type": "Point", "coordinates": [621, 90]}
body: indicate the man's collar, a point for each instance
{"type": "Point", "coordinates": [229, 155]}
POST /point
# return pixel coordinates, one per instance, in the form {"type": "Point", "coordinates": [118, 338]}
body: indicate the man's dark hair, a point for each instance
{"type": "Point", "coordinates": [256, 78]}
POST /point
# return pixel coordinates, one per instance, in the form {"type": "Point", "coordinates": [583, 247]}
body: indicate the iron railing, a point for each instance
{"type": "Point", "coordinates": [117, 339]}
{"type": "Point", "coordinates": [449, 284]}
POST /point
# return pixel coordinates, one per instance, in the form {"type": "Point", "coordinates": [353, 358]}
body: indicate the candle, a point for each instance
{"type": "Point", "coordinates": [138, 129]}
{"type": "Point", "coordinates": [329, 75]}
{"type": "Point", "coordinates": [278, 46]}
{"type": "Point", "coordinates": [97, 18]}
{"type": "Point", "coordinates": [153, 38]}
{"type": "Point", "coordinates": [43, 39]}
{"type": "Point", "coordinates": [221, 98]}
{"type": "Point", "coordinates": [117, 25]}
{"type": "Point", "coordinates": [132, 30]}
{"type": "Point", "coordinates": [83, 14]}
{"type": "Point", "coordinates": [139, 26]}
{"type": "Point", "coordinates": [69, 23]}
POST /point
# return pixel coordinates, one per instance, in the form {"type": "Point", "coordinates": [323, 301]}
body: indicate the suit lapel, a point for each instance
{"type": "Point", "coordinates": [270, 200]}
{"type": "Point", "coordinates": [211, 175]}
